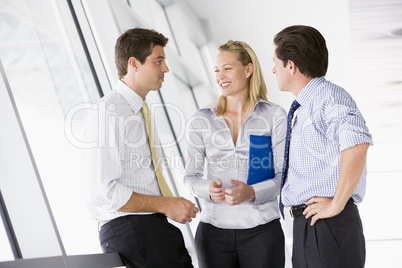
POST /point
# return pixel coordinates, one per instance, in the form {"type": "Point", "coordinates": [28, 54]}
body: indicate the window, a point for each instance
{"type": "Point", "coordinates": [142, 10]}
{"type": "Point", "coordinates": [49, 75]}
{"type": "Point", "coordinates": [6, 253]}
{"type": "Point", "coordinates": [5, 249]}
{"type": "Point", "coordinates": [53, 84]}
{"type": "Point", "coordinates": [162, 24]}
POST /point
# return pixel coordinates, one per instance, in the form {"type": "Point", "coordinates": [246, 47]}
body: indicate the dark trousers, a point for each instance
{"type": "Point", "coordinates": [145, 241]}
{"type": "Point", "coordinates": [258, 247]}
{"type": "Point", "coordinates": [333, 242]}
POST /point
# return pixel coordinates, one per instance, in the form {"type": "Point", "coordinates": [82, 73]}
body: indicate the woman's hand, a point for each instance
{"type": "Point", "coordinates": [216, 192]}
{"type": "Point", "coordinates": [241, 193]}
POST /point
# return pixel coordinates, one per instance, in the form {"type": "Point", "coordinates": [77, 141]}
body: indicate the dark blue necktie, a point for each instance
{"type": "Point", "coordinates": [292, 110]}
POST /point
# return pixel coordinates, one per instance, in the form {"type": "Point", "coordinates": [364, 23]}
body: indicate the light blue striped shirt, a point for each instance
{"type": "Point", "coordinates": [121, 162]}
{"type": "Point", "coordinates": [326, 123]}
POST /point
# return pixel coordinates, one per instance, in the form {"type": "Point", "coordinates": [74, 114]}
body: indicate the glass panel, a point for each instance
{"type": "Point", "coordinates": [197, 62]}
{"type": "Point", "coordinates": [205, 95]}
{"type": "Point", "coordinates": [6, 252]}
{"type": "Point", "coordinates": [187, 98]}
{"type": "Point", "coordinates": [162, 23]}
{"type": "Point", "coordinates": [124, 16]}
{"type": "Point", "coordinates": [49, 75]}
{"type": "Point", "coordinates": [142, 9]}
{"type": "Point", "coordinates": [208, 63]}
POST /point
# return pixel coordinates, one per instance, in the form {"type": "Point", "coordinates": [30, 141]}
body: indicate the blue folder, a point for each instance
{"type": "Point", "coordinates": [261, 161]}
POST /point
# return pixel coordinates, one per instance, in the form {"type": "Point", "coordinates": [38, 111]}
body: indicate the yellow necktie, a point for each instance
{"type": "Point", "coordinates": [158, 171]}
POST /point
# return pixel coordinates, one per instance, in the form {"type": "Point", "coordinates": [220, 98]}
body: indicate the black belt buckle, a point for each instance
{"type": "Point", "coordinates": [296, 211]}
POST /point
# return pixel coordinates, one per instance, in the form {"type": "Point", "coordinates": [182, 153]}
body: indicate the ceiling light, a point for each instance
{"type": "Point", "coordinates": [396, 32]}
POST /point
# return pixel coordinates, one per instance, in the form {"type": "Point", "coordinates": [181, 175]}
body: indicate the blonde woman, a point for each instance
{"type": "Point", "coordinates": [239, 224]}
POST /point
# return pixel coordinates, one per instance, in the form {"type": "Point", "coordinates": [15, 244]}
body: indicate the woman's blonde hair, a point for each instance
{"type": "Point", "coordinates": [258, 89]}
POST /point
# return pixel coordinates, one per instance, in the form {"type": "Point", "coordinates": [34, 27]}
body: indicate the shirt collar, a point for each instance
{"type": "Point", "coordinates": [308, 89]}
{"type": "Point", "coordinates": [214, 105]}
{"type": "Point", "coordinates": [133, 99]}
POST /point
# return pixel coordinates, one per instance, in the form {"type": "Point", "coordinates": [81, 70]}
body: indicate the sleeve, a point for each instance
{"type": "Point", "coordinates": [104, 162]}
{"type": "Point", "coordinates": [344, 123]}
{"type": "Point", "coordinates": [193, 178]}
{"type": "Point", "coordinates": [268, 190]}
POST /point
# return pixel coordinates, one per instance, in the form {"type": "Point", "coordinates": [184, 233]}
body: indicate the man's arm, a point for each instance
{"type": "Point", "coordinates": [178, 209]}
{"type": "Point", "coordinates": [351, 168]}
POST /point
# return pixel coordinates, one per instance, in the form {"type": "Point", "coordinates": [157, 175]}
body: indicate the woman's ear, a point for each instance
{"type": "Point", "coordinates": [249, 70]}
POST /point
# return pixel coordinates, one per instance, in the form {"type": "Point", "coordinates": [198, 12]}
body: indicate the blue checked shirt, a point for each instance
{"type": "Point", "coordinates": [327, 122]}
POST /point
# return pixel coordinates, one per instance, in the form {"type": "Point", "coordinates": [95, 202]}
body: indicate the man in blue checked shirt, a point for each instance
{"type": "Point", "coordinates": [326, 171]}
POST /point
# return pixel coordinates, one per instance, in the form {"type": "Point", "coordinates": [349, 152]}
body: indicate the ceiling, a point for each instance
{"type": "Point", "coordinates": [364, 58]}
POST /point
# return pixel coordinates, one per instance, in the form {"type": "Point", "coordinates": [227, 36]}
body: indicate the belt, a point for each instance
{"type": "Point", "coordinates": [296, 211]}
{"type": "Point", "coordinates": [101, 223]}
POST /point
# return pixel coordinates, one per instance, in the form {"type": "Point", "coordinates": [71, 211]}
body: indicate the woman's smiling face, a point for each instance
{"type": "Point", "coordinates": [230, 74]}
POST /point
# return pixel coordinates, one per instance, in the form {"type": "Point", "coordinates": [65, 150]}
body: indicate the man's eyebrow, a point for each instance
{"type": "Point", "coordinates": [160, 57]}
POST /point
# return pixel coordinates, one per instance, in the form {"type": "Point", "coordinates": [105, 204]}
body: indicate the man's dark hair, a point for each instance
{"type": "Point", "coordinates": [136, 43]}
{"type": "Point", "coordinates": [305, 46]}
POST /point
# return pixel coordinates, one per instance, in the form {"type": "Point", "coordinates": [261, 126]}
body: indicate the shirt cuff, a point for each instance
{"type": "Point", "coordinates": [120, 197]}
{"type": "Point", "coordinates": [265, 191]}
{"type": "Point", "coordinates": [200, 188]}
{"type": "Point", "coordinates": [349, 141]}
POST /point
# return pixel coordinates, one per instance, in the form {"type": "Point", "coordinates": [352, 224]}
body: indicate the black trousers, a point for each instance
{"type": "Point", "coordinates": [259, 247]}
{"type": "Point", "coordinates": [333, 242]}
{"type": "Point", "coordinates": [145, 241]}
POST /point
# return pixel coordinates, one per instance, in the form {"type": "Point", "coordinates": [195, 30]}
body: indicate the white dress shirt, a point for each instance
{"type": "Point", "coordinates": [121, 162]}
{"type": "Point", "coordinates": [209, 139]}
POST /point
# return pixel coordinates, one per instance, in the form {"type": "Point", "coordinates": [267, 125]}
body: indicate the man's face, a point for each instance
{"type": "Point", "coordinates": [282, 74]}
{"type": "Point", "coordinates": [151, 74]}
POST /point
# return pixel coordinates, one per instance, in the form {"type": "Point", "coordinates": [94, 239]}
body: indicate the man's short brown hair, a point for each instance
{"type": "Point", "coordinates": [305, 46]}
{"type": "Point", "coordinates": [138, 43]}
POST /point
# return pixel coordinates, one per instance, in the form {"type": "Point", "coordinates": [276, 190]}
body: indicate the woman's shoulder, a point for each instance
{"type": "Point", "coordinates": [270, 107]}
{"type": "Point", "coordinates": [209, 109]}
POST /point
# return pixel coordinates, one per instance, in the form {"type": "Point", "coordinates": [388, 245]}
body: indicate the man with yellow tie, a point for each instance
{"type": "Point", "coordinates": [129, 195]}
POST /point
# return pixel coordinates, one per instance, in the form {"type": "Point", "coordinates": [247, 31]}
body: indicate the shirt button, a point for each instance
{"type": "Point", "coordinates": [107, 245]}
